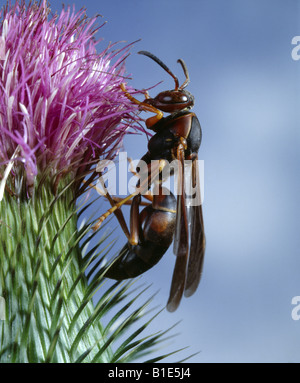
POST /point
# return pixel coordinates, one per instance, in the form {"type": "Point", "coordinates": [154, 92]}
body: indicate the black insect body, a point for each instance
{"type": "Point", "coordinates": [177, 137]}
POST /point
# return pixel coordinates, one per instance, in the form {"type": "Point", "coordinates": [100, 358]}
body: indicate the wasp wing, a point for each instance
{"type": "Point", "coordinates": [188, 266]}
{"type": "Point", "coordinates": [197, 235]}
{"type": "Point", "coordinates": [178, 282]}
{"type": "Point", "coordinates": [181, 238]}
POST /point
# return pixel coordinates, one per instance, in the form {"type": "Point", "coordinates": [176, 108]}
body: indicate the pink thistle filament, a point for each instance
{"type": "Point", "coordinates": [61, 104]}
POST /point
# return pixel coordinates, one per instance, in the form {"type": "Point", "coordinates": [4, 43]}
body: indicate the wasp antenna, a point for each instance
{"type": "Point", "coordinates": [186, 73]}
{"type": "Point", "coordinates": [160, 63]}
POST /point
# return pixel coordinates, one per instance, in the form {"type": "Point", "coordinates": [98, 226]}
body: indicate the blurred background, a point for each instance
{"type": "Point", "coordinates": [247, 91]}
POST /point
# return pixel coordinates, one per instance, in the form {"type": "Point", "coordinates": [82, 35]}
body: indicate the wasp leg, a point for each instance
{"type": "Point", "coordinates": [133, 235]}
{"type": "Point", "coordinates": [147, 194]}
{"type": "Point", "coordinates": [134, 220]}
{"type": "Point", "coordinates": [131, 167]}
{"type": "Point", "coordinates": [118, 213]}
{"type": "Point", "coordinates": [115, 200]}
{"type": "Point", "coordinates": [145, 107]}
{"type": "Point", "coordinates": [112, 210]}
{"type": "Point", "coordinates": [143, 203]}
{"type": "Point", "coordinates": [146, 93]}
{"type": "Point", "coordinates": [142, 188]}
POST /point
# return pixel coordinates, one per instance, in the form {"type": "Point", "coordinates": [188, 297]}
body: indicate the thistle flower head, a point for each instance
{"type": "Point", "coordinates": [61, 105]}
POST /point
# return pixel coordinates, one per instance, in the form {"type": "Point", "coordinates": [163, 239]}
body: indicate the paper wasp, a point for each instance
{"type": "Point", "coordinates": [177, 136]}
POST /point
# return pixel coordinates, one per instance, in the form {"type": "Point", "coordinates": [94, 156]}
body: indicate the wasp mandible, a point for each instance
{"type": "Point", "coordinates": [177, 136]}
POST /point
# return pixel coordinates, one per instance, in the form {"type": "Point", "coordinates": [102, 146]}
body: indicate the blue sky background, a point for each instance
{"type": "Point", "coordinates": [247, 91]}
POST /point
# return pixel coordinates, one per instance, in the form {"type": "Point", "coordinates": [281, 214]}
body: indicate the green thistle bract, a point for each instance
{"type": "Point", "coordinates": [61, 110]}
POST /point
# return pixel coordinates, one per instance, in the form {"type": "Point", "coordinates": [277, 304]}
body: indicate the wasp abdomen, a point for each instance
{"type": "Point", "coordinates": [156, 235]}
{"type": "Point", "coordinates": [135, 260]}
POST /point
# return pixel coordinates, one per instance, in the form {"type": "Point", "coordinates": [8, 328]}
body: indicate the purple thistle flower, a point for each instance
{"type": "Point", "coordinates": [61, 105]}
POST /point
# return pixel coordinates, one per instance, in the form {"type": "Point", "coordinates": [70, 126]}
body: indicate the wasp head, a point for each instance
{"type": "Point", "coordinates": [171, 101]}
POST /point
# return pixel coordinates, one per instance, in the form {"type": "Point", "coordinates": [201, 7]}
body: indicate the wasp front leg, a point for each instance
{"type": "Point", "coordinates": [151, 121]}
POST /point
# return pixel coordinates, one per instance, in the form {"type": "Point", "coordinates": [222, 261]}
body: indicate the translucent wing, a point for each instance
{"type": "Point", "coordinates": [177, 285]}
{"type": "Point", "coordinates": [197, 235]}
{"type": "Point", "coordinates": [181, 239]}
{"type": "Point", "coordinates": [188, 266]}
